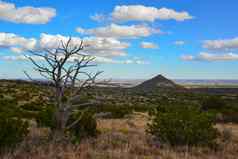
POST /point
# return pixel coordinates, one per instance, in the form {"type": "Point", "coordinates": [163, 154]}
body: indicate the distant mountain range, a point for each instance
{"type": "Point", "coordinates": [206, 81]}
{"type": "Point", "coordinates": [135, 82]}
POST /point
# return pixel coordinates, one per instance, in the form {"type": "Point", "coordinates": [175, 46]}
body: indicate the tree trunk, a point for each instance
{"type": "Point", "coordinates": [61, 121]}
{"type": "Point", "coordinates": [61, 114]}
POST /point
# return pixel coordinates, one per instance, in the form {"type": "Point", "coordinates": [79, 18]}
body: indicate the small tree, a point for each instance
{"type": "Point", "coordinates": [12, 131]}
{"type": "Point", "coordinates": [182, 125]}
{"type": "Point", "coordinates": [62, 67]}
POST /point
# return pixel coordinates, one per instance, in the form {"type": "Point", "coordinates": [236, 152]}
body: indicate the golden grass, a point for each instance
{"type": "Point", "coordinates": [121, 139]}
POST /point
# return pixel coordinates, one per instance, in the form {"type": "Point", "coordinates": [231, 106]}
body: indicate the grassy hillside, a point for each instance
{"type": "Point", "coordinates": [121, 133]}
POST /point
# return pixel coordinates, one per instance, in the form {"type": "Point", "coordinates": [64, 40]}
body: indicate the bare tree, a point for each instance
{"type": "Point", "coordinates": [63, 67]}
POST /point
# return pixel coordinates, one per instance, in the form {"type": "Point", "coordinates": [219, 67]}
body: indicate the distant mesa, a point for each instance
{"type": "Point", "coordinates": [157, 82]}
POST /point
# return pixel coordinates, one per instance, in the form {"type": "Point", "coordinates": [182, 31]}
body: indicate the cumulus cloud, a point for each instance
{"type": "Point", "coordinates": [17, 49]}
{"type": "Point", "coordinates": [145, 13]}
{"type": "Point", "coordinates": [20, 58]}
{"type": "Point", "coordinates": [221, 46]}
{"type": "Point", "coordinates": [126, 61]}
{"type": "Point", "coordinates": [187, 57]}
{"type": "Point", "coordinates": [204, 56]}
{"type": "Point", "coordinates": [106, 50]}
{"type": "Point", "coordinates": [179, 43]}
{"type": "Point", "coordinates": [120, 31]}
{"type": "Point", "coordinates": [95, 45]}
{"type": "Point", "coordinates": [148, 45]}
{"type": "Point", "coordinates": [48, 41]}
{"type": "Point", "coordinates": [28, 14]}
{"type": "Point", "coordinates": [98, 60]}
{"type": "Point", "coordinates": [99, 17]}
{"type": "Point", "coordinates": [226, 44]}
{"type": "Point", "coordinates": [16, 43]}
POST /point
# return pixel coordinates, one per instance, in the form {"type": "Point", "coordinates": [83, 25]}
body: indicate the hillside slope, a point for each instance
{"type": "Point", "coordinates": [157, 82]}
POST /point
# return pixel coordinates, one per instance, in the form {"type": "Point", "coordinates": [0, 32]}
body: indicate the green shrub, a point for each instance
{"type": "Point", "coordinates": [86, 125]}
{"type": "Point", "coordinates": [116, 111]}
{"type": "Point", "coordinates": [9, 108]}
{"type": "Point", "coordinates": [143, 108]}
{"type": "Point", "coordinates": [231, 117]}
{"type": "Point", "coordinates": [219, 107]}
{"type": "Point", "coordinates": [213, 103]}
{"type": "Point", "coordinates": [12, 131]}
{"type": "Point", "coordinates": [33, 106]}
{"type": "Point", "coordinates": [45, 117]}
{"type": "Point", "coordinates": [182, 125]}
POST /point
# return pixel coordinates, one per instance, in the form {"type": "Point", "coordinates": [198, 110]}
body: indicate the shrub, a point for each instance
{"type": "Point", "coordinates": [12, 131]}
{"type": "Point", "coordinates": [224, 112]}
{"type": "Point", "coordinates": [231, 117]}
{"type": "Point", "coordinates": [182, 125]}
{"type": "Point", "coordinates": [116, 111]}
{"type": "Point", "coordinates": [143, 108]}
{"type": "Point", "coordinates": [86, 125]}
{"type": "Point", "coordinates": [32, 106]}
{"type": "Point", "coordinates": [213, 103]}
{"type": "Point", "coordinates": [9, 108]}
{"type": "Point", "coordinates": [45, 117]}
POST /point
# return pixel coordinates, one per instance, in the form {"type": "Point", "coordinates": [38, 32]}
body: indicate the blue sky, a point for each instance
{"type": "Point", "coordinates": [133, 38]}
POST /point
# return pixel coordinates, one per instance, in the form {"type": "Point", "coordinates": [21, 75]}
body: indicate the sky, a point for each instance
{"type": "Point", "coordinates": [131, 39]}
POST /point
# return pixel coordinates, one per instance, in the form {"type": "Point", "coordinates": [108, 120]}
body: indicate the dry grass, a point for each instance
{"type": "Point", "coordinates": [122, 139]}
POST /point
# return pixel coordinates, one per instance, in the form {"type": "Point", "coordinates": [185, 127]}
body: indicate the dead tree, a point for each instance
{"type": "Point", "coordinates": [63, 67]}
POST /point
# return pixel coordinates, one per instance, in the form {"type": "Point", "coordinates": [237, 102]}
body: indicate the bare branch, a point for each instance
{"type": "Point", "coordinates": [66, 75]}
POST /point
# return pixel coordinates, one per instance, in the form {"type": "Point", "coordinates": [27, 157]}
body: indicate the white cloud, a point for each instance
{"type": "Point", "coordinates": [20, 58]}
{"type": "Point", "coordinates": [99, 17]}
{"type": "Point", "coordinates": [216, 45]}
{"type": "Point", "coordinates": [28, 14]}
{"type": "Point", "coordinates": [144, 13]}
{"type": "Point", "coordinates": [226, 44]}
{"type": "Point", "coordinates": [187, 57]}
{"type": "Point", "coordinates": [104, 49]}
{"type": "Point", "coordinates": [97, 46]}
{"type": "Point", "coordinates": [48, 41]}
{"type": "Point", "coordinates": [17, 49]}
{"type": "Point", "coordinates": [120, 31]}
{"type": "Point", "coordinates": [81, 30]}
{"type": "Point", "coordinates": [218, 57]}
{"type": "Point", "coordinates": [16, 43]}
{"type": "Point", "coordinates": [13, 58]}
{"type": "Point", "coordinates": [113, 61]}
{"type": "Point", "coordinates": [179, 43]}
{"type": "Point", "coordinates": [148, 45]}
{"type": "Point", "coordinates": [98, 60]}
{"type": "Point", "coordinates": [203, 56]}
